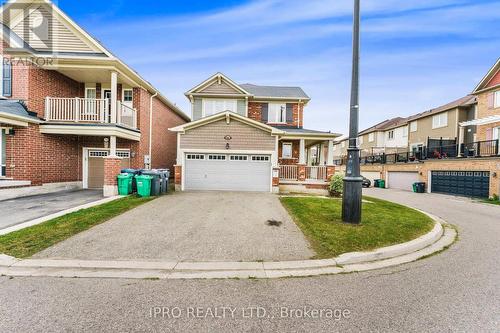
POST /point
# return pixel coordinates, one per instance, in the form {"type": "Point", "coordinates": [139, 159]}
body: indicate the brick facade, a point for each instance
{"type": "Point", "coordinates": [295, 152]}
{"type": "Point", "coordinates": [255, 113]}
{"type": "Point", "coordinates": [485, 110]}
{"type": "Point", "coordinates": [480, 164]}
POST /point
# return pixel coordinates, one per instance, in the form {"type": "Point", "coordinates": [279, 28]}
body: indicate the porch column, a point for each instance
{"type": "Point", "coordinates": [461, 137]}
{"type": "Point", "coordinates": [302, 152]}
{"type": "Point", "coordinates": [330, 153]}
{"type": "Point", "coordinates": [114, 96]}
{"type": "Point", "coordinates": [112, 146]}
{"type": "Point", "coordinates": [321, 154]}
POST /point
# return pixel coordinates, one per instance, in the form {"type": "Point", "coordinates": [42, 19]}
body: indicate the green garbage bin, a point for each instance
{"type": "Point", "coordinates": [124, 184]}
{"type": "Point", "coordinates": [381, 183]}
{"type": "Point", "coordinates": [415, 187]}
{"type": "Point", "coordinates": [143, 185]}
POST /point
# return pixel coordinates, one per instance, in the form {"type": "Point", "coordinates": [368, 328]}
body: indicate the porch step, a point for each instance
{"type": "Point", "coordinates": [6, 183]}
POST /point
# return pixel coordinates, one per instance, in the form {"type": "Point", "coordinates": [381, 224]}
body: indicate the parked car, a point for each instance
{"type": "Point", "coordinates": [366, 182]}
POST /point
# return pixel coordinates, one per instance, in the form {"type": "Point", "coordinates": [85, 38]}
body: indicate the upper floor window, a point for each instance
{"type": "Point", "coordinates": [371, 137]}
{"type": "Point", "coordinates": [440, 120]}
{"type": "Point", "coordinates": [277, 113]}
{"type": "Point", "coordinates": [361, 140]}
{"type": "Point", "coordinates": [413, 126]}
{"type": "Point", "coordinates": [391, 135]}
{"type": "Point", "coordinates": [405, 132]}
{"type": "Point", "coordinates": [496, 102]}
{"type": "Point", "coordinates": [7, 79]}
{"type": "Point", "coordinates": [128, 95]}
{"type": "Point", "coordinates": [213, 106]}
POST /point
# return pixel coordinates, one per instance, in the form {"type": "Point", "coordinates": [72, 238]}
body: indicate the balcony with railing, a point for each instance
{"type": "Point", "coordinates": [88, 110]}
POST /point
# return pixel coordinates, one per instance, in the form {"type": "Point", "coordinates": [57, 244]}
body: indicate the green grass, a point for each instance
{"type": "Point", "coordinates": [492, 201]}
{"type": "Point", "coordinates": [26, 242]}
{"type": "Point", "coordinates": [383, 224]}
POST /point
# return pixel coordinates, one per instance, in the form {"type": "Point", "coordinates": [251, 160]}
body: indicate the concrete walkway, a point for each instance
{"type": "Point", "coordinates": [19, 210]}
{"type": "Point", "coordinates": [196, 226]}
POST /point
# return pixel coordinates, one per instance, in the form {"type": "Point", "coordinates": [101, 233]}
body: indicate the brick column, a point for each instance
{"type": "Point", "coordinates": [112, 167]}
{"type": "Point", "coordinates": [276, 180]}
{"type": "Point", "coordinates": [301, 172]}
{"type": "Point", "coordinates": [178, 177]}
{"type": "Point", "coordinates": [330, 172]}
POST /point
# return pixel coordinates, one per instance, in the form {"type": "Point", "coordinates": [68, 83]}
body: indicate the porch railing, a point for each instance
{"type": "Point", "coordinates": [316, 173]}
{"type": "Point", "coordinates": [88, 110]}
{"type": "Point", "coordinates": [289, 172]}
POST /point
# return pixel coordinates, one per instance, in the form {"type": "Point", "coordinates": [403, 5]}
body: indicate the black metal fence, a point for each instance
{"type": "Point", "coordinates": [445, 150]}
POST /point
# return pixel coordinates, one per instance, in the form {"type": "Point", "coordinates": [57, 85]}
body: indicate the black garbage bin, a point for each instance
{"type": "Point", "coordinates": [133, 172]}
{"type": "Point", "coordinates": [420, 187]}
{"type": "Point", "coordinates": [155, 182]}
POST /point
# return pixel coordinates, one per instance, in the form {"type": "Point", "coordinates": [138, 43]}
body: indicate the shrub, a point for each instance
{"type": "Point", "coordinates": [336, 186]}
{"type": "Point", "coordinates": [495, 197]}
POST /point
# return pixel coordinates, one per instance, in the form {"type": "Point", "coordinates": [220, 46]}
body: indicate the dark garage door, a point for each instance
{"type": "Point", "coordinates": [465, 183]}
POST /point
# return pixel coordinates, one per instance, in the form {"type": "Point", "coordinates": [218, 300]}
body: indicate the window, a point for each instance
{"type": "Point", "coordinates": [213, 106]}
{"type": "Point", "coordinates": [405, 132]}
{"type": "Point", "coordinates": [391, 135]}
{"type": "Point", "coordinates": [361, 140]}
{"type": "Point", "coordinates": [7, 79]}
{"type": "Point", "coordinates": [195, 157]}
{"type": "Point", "coordinates": [371, 137]}
{"type": "Point", "coordinates": [287, 150]}
{"type": "Point", "coordinates": [217, 157]}
{"type": "Point", "coordinates": [90, 93]}
{"type": "Point", "coordinates": [440, 120]}
{"type": "Point", "coordinates": [238, 158]}
{"type": "Point", "coordinates": [277, 113]}
{"type": "Point", "coordinates": [90, 106]}
{"type": "Point", "coordinates": [260, 158]}
{"type": "Point", "coordinates": [413, 126]}
{"type": "Point", "coordinates": [128, 95]}
{"type": "Point", "coordinates": [496, 102]}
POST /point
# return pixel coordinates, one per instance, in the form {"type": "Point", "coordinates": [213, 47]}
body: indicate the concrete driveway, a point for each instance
{"type": "Point", "coordinates": [208, 226]}
{"type": "Point", "coordinates": [23, 209]}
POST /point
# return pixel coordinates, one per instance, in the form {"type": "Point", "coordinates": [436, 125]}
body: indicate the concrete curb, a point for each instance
{"type": "Point", "coordinates": [55, 215]}
{"type": "Point", "coordinates": [10, 266]}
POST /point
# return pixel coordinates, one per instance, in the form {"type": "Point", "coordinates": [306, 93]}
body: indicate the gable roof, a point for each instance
{"type": "Point", "coordinates": [459, 103]}
{"type": "Point", "coordinates": [225, 115]}
{"type": "Point", "coordinates": [275, 91]}
{"type": "Point", "coordinates": [385, 125]}
{"type": "Point", "coordinates": [487, 78]}
{"type": "Point", "coordinates": [217, 77]}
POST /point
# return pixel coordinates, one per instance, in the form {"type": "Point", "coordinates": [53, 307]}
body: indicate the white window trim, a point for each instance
{"type": "Point", "coordinates": [496, 99]}
{"type": "Point", "coordinates": [414, 126]}
{"type": "Point", "coordinates": [225, 100]}
{"type": "Point", "coordinates": [389, 135]}
{"type": "Point", "coordinates": [405, 132]}
{"type": "Point", "coordinates": [123, 95]}
{"type": "Point", "coordinates": [438, 116]}
{"type": "Point", "coordinates": [283, 150]}
{"type": "Point", "coordinates": [277, 106]}
{"type": "Point", "coordinates": [371, 137]}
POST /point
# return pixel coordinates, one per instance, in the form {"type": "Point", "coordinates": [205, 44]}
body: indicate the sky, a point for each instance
{"type": "Point", "coordinates": [415, 54]}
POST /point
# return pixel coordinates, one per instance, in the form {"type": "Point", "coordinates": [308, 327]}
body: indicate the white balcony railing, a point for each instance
{"type": "Point", "coordinates": [316, 172]}
{"type": "Point", "coordinates": [289, 172]}
{"type": "Point", "coordinates": [88, 110]}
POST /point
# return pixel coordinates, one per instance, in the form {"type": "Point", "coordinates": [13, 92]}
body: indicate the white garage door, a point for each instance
{"type": "Point", "coordinates": [402, 180]}
{"type": "Point", "coordinates": [226, 172]}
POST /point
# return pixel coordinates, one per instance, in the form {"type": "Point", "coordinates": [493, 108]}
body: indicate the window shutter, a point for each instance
{"type": "Point", "coordinates": [264, 112]}
{"type": "Point", "coordinates": [7, 79]}
{"type": "Point", "coordinates": [289, 113]}
{"type": "Point", "coordinates": [491, 100]}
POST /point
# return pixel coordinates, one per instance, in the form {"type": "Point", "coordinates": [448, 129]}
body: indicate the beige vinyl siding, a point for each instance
{"type": "Point", "coordinates": [212, 136]}
{"type": "Point", "coordinates": [197, 108]}
{"type": "Point", "coordinates": [61, 38]}
{"type": "Point", "coordinates": [425, 130]}
{"type": "Point", "coordinates": [242, 107]}
{"type": "Point", "coordinates": [222, 88]}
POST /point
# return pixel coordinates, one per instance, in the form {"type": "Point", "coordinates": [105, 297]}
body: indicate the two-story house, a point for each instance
{"type": "Point", "coordinates": [389, 136]}
{"type": "Point", "coordinates": [248, 137]}
{"type": "Point", "coordinates": [70, 110]}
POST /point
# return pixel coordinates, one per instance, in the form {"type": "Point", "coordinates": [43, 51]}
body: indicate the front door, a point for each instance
{"type": "Point", "coordinates": [3, 153]}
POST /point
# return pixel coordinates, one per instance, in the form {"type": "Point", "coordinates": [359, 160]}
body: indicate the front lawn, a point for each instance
{"type": "Point", "coordinates": [383, 224]}
{"type": "Point", "coordinates": [26, 242]}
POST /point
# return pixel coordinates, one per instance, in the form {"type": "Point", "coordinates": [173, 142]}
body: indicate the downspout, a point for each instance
{"type": "Point", "coordinates": [151, 129]}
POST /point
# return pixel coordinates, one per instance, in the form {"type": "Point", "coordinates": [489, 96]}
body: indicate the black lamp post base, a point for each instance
{"type": "Point", "coordinates": [352, 200]}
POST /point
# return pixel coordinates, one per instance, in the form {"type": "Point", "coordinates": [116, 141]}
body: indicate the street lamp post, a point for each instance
{"type": "Point", "coordinates": [351, 201]}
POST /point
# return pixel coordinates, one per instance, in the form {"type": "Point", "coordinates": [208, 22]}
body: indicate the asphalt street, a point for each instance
{"type": "Point", "coordinates": [454, 291]}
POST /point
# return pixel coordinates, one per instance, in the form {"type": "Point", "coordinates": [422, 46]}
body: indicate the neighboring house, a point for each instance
{"type": "Point", "coordinates": [241, 132]}
{"type": "Point", "coordinates": [72, 111]}
{"type": "Point", "coordinates": [488, 108]}
{"type": "Point", "coordinates": [389, 136]}
{"type": "Point", "coordinates": [340, 146]}
{"type": "Point", "coordinates": [442, 123]}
